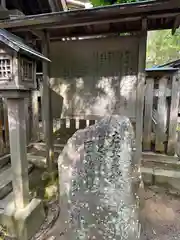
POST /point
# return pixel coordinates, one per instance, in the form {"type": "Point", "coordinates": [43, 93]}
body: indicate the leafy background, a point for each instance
{"type": "Point", "coordinates": [162, 46]}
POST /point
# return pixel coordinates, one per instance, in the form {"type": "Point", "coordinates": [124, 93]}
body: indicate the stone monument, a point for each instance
{"type": "Point", "coordinates": [99, 183]}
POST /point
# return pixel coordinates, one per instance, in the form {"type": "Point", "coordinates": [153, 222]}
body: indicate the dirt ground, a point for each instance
{"type": "Point", "coordinates": [160, 216]}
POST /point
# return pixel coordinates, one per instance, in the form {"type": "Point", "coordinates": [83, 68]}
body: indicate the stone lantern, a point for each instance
{"type": "Point", "coordinates": [17, 79]}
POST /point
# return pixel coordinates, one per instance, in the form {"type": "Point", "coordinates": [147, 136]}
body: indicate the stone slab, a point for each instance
{"type": "Point", "coordinates": [42, 147]}
{"type": "Point", "coordinates": [151, 156]}
{"type": "Point", "coordinates": [147, 175]}
{"type": "Point", "coordinates": [170, 178]}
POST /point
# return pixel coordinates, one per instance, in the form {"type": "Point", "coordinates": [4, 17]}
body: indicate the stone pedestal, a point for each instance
{"type": "Point", "coordinates": [23, 223]}
{"type": "Point", "coordinates": [23, 217]}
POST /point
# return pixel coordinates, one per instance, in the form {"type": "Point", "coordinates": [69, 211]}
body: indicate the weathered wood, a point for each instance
{"type": "Point", "coordinates": [148, 114]}
{"type": "Point", "coordinates": [47, 120]}
{"type": "Point", "coordinates": [91, 122]}
{"type": "Point", "coordinates": [72, 124]}
{"type": "Point", "coordinates": [57, 5]}
{"type": "Point", "coordinates": [82, 123]}
{"type": "Point", "coordinates": [1, 127]}
{"type": "Point", "coordinates": [161, 116]}
{"type": "Point", "coordinates": [28, 121]}
{"type": "Point", "coordinates": [76, 3]}
{"type": "Point", "coordinates": [6, 128]}
{"type": "Point", "coordinates": [173, 114]}
{"type": "Point", "coordinates": [63, 123]}
{"type": "Point", "coordinates": [167, 92]}
{"type": "Point", "coordinates": [53, 5]}
{"type": "Point", "coordinates": [63, 4]}
{"type": "Point", "coordinates": [140, 95]}
{"type": "Point", "coordinates": [99, 15]}
{"type": "Point", "coordinates": [176, 24]}
{"type": "Point", "coordinates": [3, 3]}
{"type": "Point", "coordinates": [35, 116]}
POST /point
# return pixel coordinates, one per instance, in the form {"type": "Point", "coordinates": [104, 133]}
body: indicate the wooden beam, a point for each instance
{"type": "Point", "coordinates": [77, 3]}
{"type": "Point", "coordinates": [176, 24]}
{"type": "Point", "coordinates": [54, 7]}
{"type": "Point", "coordinates": [95, 16]}
{"type": "Point", "coordinates": [140, 91]}
{"type": "Point", "coordinates": [81, 24]}
{"type": "Point", "coordinates": [47, 120]}
{"type": "Point", "coordinates": [57, 5]}
{"type": "Point", "coordinates": [35, 32]}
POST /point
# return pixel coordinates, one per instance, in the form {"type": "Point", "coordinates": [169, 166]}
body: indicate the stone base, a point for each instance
{"type": "Point", "coordinates": [24, 223]}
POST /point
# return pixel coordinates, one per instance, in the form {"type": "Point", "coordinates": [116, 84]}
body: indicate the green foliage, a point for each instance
{"type": "Point", "coordinates": [96, 3]}
{"type": "Point", "coordinates": [162, 47]}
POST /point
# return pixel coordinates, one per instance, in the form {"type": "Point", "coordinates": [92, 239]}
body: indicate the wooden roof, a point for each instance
{"type": "Point", "coordinates": [172, 64]}
{"type": "Point", "coordinates": [18, 45]}
{"type": "Point", "coordinates": [102, 20]}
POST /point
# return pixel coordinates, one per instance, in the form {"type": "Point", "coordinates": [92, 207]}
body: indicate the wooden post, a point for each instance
{"type": "Point", "coordinates": [173, 119]}
{"type": "Point", "coordinates": [140, 93]}
{"type": "Point", "coordinates": [3, 3]}
{"type": "Point", "coordinates": [1, 127]}
{"type": "Point", "coordinates": [6, 128]}
{"type": "Point", "coordinates": [28, 120]}
{"type": "Point", "coordinates": [35, 115]}
{"type": "Point", "coordinates": [19, 163]}
{"type": "Point", "coordinates": [148, 114]}
{"type": "Point", "coordinates": [47, 120]}
{"type": "Point", "coordinates": [161, 116]}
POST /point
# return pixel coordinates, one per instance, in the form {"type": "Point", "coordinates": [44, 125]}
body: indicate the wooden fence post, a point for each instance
{"type": "Point", "coordinates": [6, 128]}
{"type": "Point", "coordinates": [140, 91]}
{"type": "Point", "coordinates": [148, 106]}
{"type": "Point", "coordinates": [173, 119]}
{"type": "Point", "coordinates": [1, 127]}
{"type": "Point", "coordinates": [162, 116]}
{"type": "Point", "coordinates": [47, 119]}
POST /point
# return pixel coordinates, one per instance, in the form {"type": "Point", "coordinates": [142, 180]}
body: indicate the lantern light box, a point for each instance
{"type": "Point", "coordinates": [17, 63]}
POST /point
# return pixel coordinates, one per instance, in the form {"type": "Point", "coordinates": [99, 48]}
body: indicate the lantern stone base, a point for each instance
{"type": "Point", "coordinates": [24, 223]}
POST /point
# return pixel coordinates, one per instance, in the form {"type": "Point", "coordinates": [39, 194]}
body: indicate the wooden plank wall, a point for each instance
{"type": "Point", "coordinates": [161, 115]}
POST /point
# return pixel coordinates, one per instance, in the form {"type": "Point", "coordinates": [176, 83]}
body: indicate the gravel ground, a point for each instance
{"type": "Point", "coordinates": [160, 217]}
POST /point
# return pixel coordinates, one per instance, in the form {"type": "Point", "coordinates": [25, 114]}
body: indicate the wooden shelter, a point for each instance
{"type": "Point", "coordinates": [133, 19]}
{"type": "Point", "coordinates": [98, 62]}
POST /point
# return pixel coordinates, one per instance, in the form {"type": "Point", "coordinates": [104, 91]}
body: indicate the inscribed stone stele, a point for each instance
{"type": "Point", "coordinates": [98, 190]}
